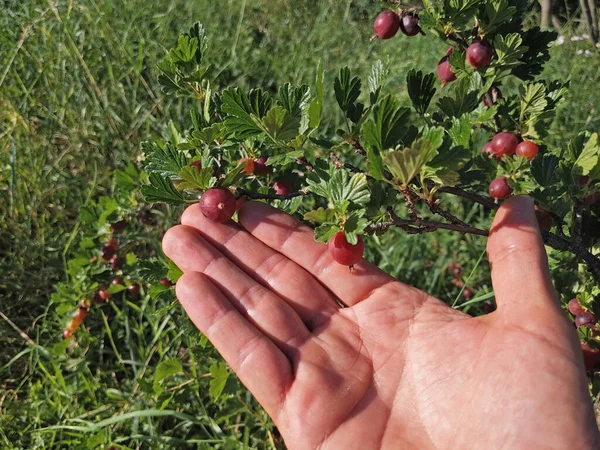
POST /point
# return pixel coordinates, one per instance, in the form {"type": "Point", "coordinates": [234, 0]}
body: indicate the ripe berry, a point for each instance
{"type": "Point", "coordinates": [261, 168]}
{"type": "Point", "coordinates": [165, 282]}
{"type": "Point", "coordinates": [458, 283]}
{"type": "Point", "coordinates": [544, 219]}
{"type": "Point", "coordinates": [499, 188]}
{"type": "Point", "coordinates": [218, 204]}
{"type": "Point", "coordinates": [575, 307]}
{"type": "Point", "coordinates": [107, 253]}
{"type": "Point", "coordinates": [249, 165]}
{"type": "Point", "coordinates": [343, 252]}
{"type": "Point", "coordinates": [134, 289]}
{"type": "Point", "coordinates": [468, 294]}
{"type": "Point", "coordinates": [504, 144]}
{"type": "Point", "coordinates": [479, 54]}
{"type": "Point", "coordinates": [488, 149]}
{"type": "Point", "coordinates": [97, 300]}
{"type": "Point", "coordinates": [119, 226]}
{"type": "Point", "coordinates": [116, 281]}
{"type": "Point", "coordinates": [282, 187]}
{"type": "Point", "coordinates": [67, 333]}
{"type": "Point", "coordinates": [444, 69]}
{"type": "Point", "coordinates": [386, 24]}
{"type": "Point", "coordinates": [591, 358]}
{"type": "Point", "coordinates": [527, 149]}
{"type": "Point", "coordinates": [104, 295]}
{"type": "Point", "coordinates": [409, 25]}
{"type": "Point", "coordinates": [585, 319]}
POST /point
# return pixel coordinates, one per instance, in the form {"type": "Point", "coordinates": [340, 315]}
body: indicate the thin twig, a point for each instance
{"type": "Point", "coordinates": [434, 207]}
{"type": "Point", "coordinates": [17, 329]}
{"type": "Point", "coordinates": [489, 204]}
{"type": "Point", "coordinates": [420, 226]}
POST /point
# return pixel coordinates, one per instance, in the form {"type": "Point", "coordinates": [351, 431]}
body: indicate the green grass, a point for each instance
{"type": "Point", "coordinates": [78, 94]}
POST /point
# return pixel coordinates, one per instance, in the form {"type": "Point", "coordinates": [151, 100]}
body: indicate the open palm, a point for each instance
{"type": "Point", "coordinates": [395, 367]}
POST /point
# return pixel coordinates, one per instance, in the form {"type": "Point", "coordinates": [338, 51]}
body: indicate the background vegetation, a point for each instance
{"type": "Point", "coordinates": [78, 94]}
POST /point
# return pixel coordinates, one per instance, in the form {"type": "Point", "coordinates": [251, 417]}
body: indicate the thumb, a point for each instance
{"type": "Point", "coordinates": [520, 273]}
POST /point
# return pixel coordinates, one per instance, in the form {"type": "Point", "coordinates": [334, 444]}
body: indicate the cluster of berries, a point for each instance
{"type": "Point", "coordinates": [387, 24]}
{"type": "Point", "coordinates": [109, 254]}
{"type": "Point", "coordinates": [586, 319]}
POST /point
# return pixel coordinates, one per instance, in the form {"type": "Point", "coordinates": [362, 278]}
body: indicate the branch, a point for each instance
{"type": "Point", "coordinates": [359, 148]}
{"type": "Point", "coordinates": [434, 207]}
{"type": "Point", "coordinates": [258, 196]}
{"type": "Point", "coordinates": [564, 245]}
{"type": "Point", "coordinates": [419, 226]}
{"type": "Point", "coordinates": [489, 204]}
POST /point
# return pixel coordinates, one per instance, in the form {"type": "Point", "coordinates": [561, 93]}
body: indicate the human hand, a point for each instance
{"type": "Point", "coordinates": [396, 368]}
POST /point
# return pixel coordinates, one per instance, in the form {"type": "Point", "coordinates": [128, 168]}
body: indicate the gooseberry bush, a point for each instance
{"type": "Point", "coordinates": [476, 130]}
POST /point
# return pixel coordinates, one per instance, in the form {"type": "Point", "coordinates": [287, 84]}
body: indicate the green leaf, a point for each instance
{"type": "Point", "coordinates": [165, 161]}
{"type": "Point", "coordinates": [421, 89]}
{"type": "Point", "coordinates": [161, 189]}
{"type": "Point", "coordinates": [293, 99]}
{"type": "Point", "coordinates": [435, 136]}
{"type": "Point", "coordinates": [354, 225]}
{"type": "Point", "coordinates": [284, 158]}
{"type": "Point", "coordinates": [185, 50]}
{"type": "Point", "coordinates": [376, 80]}
{"type": "Point", "coordinates": [165, 369]}
{"type": "Point", "coordinates": [244, 111]}
{"type": "Point", "coordinates": [232, 176]}
{"type": "Point", "coordinates": [544, 169]}
{"type": "Point", "coordinates": [174, 272]}
{"type": "Point", "coordinates": [464, 100]}
{"type": "Point", "coordinates": [533, 101]}
{"type": "Point", "coordinates": [537, 43]}
{"type": "Point", "coordinates": [589, 157]}
{"type": "Point", "coordinates": [280, 124]}
{"type": "Point", "coordinates": [315, 108]}
{"type": "Point", "coordinates": [346, 89]}
{"type": "Point", "coordinates": [151, 269]}
{"type": "Point", "coordinates": [219, 375]}
{"type": "Point", "coordinates": [320, 215]}
{"type": "Point", "coordinates": [443, 177]}
{"type": "Point", "coordinates": [509, 50]}
{"type": "Point", "coordinates": [129, 178]}
{"type": "Point", "coordinates": [116, 288]}
{"type": "Point", "coordinates": [406, 164]}
{"type": "Point", "coordinates": [461, 131]}
{"type": "Point", "coordinates": [453, 158]}
{"type": "Point", "coordinates": [386, 127]}
{"type": "Point", "coordinates": [107, 205]}
{"type": "Point", "coordinates": [324, 233]}
{"type": "Point", "coordinates": [207, 135]}
{"type": "Point", "coordinates": [196, 179]}
{"type": "Point", "coordinates": [341, 187]}
{"type": "Point", "coordinates": [497, 12]}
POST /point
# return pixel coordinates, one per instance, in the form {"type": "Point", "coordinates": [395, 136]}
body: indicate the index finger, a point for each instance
{"type": "Point", "coordinates": [288, 236]}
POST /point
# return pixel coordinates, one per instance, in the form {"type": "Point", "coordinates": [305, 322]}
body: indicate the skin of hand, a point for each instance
{"type": "Point", "coordinates": [395, 368]}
